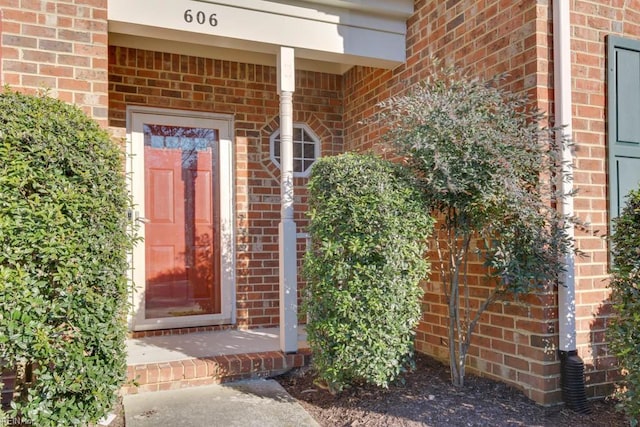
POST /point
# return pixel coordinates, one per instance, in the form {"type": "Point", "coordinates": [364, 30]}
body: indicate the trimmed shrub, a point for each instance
{"type": "Point", "coordinates": [624, 330]}
{"type": "Point", "coordinates": [488, 169]}
{"type": "Point", "coordinates": [368, 230]}
{"type": "Point", "coordinates": [63, 260]}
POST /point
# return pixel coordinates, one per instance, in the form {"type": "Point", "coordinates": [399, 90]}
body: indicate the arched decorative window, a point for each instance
{"type": "Point", "coordinates": [306, 149]}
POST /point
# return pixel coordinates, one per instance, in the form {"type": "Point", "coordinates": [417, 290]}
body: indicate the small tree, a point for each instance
{"type": "Point", "coordinates": [63, 261]}
{"type": "Point", "coordinates": [486, 166]}
{"type": "Point", "coordinates": [368, 228]}
{"type": "Point", "coordinates": [624, 330]}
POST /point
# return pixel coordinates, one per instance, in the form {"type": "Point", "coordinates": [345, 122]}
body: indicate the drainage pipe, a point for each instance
{"type": "Point", "coordinates": [572, 367]}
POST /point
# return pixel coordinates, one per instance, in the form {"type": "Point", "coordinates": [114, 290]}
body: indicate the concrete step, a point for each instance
{"type": "Point", "coordinates": [210, 370]}
{"type": "Point", "coordinates": [172, 362]}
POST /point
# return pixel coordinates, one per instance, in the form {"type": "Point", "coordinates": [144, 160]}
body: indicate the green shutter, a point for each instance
{"type": "Point", "coordinates": [623, 79]}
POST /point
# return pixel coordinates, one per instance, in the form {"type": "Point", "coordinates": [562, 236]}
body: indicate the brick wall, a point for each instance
{"type": "Point", "coordinates": [59, 46]}
{"type": "Point", "coordinates": [248, 92]}
{"type": "Point", "coordinates": [516, 342]}
{"type": "Point", "coordinates": [62, 46]}
{"type": "Point", "coordinates": [591, 22]}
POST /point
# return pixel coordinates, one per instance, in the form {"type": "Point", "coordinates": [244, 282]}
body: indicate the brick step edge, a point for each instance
{"type": "Point", "coordinates": [210, 370]}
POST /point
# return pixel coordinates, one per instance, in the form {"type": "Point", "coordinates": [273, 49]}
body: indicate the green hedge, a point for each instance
{"type": "Point", "coordinates": [624, 330]}
{"type": "Point", "coordinates": [368, 230]}
{"type": "Point", "coordinates": [63, 260]}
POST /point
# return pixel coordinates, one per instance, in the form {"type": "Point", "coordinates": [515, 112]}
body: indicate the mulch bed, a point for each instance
{"type": "Point", "coordinates": [427, 398]}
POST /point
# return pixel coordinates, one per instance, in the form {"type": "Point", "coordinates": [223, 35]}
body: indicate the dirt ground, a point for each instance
{"type": "Point", "coordinates": [428, 399]}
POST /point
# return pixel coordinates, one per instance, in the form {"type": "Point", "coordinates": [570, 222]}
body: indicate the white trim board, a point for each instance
{"type": "Point", "coordinates": [339, 32]}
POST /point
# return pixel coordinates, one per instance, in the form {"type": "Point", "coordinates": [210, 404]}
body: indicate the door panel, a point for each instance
{"type": "Point", "coordinates": [177, 184]}
{"type": "Point", "coordinates": [161, 210]}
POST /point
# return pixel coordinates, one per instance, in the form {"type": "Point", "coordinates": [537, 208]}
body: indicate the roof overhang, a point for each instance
{"type": "Point", "coordinates": [329, 36]}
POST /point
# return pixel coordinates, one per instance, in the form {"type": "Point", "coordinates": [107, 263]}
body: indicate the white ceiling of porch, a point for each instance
{"type": "Point", "coordinates": [328, 35]}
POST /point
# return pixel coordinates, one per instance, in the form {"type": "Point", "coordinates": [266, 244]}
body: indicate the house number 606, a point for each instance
{"type": "Point", "coordinates": [200, 17]}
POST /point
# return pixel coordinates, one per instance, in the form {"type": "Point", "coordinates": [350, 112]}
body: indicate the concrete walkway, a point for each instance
{"type": "Point", "coordinates": [260, 403]}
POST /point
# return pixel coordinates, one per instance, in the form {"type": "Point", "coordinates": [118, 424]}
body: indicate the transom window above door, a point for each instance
{"type": "Point", "coordinates": [172, 137]}
{"type": "Point", "coordinates": [306, 149]}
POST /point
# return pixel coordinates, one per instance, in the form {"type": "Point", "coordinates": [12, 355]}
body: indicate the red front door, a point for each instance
{"type": "Point", "coordinates": [181, 231]}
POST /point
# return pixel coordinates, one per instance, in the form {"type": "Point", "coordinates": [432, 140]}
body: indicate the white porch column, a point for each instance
{"type": "Point", "coordinates": [287, 227]}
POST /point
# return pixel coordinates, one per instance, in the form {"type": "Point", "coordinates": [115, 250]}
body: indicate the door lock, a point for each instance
{"type": "Point", "coordinates": [131, 215]}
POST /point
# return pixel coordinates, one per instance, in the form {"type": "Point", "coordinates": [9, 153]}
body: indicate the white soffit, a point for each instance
{"type": "Point", "coordinates": [329, 36]}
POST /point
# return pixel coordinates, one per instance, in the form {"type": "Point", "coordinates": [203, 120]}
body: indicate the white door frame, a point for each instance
{"type": "Point", "coordinates": [136, 116]}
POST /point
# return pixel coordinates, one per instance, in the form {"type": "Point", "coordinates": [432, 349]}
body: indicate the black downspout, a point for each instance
{"type": "Point", "coordinates": [572, 380]}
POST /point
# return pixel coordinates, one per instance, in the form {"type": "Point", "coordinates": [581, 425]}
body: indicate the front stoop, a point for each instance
{"type": "Point", "coordinates": [210, 370]}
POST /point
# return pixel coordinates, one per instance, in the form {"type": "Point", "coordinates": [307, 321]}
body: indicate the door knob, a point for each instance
{"type": "Point", "coordinates": [131, 215]}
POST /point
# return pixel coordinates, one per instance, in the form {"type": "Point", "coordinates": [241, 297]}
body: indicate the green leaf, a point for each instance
{"type": "Point", "coordinates": [368, 225]}
{"type": "Point", "coordinates": [63, 258]}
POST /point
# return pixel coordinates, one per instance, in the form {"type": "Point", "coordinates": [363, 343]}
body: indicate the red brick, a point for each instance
{"type": "Point", "coordinates": [484, 37]}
